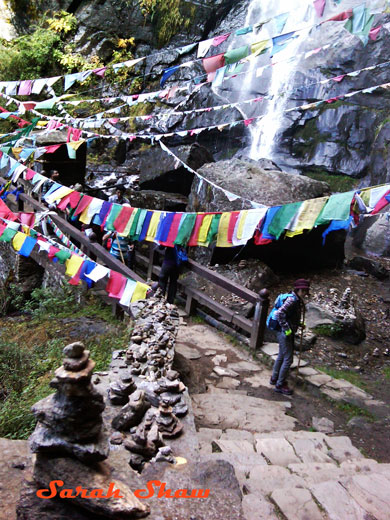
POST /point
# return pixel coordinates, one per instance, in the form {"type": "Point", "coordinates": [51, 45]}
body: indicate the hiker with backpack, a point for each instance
{"type": "Point", "coordinates": [174, 259]}
{"type": "Point", "coordinates": [285, 318]}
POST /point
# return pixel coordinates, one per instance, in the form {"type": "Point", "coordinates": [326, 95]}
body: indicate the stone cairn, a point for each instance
{"type": "Point", "coordinates": [150, 413]}
{"type": "Point", "coordinates": [70, 420]}
{"type": "Point", "coordinates": [342, 308]}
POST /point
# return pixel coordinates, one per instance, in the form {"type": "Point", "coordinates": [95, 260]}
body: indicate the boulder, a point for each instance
{"type": "Point", "coordinates": [252, 183]}
{"type": "Point", "coordinates": [372, 267]}
{"type": "Point", "coordinates": [372, 236]}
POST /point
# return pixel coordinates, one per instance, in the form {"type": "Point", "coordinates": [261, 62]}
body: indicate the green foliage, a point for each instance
{"type": "Point", "coordinates": [338, 183]}
{"type": "Point", "coordinates": [386, 372]}
{"type": "Point", "coordinates": [30, 56]}
{"type": "Point", "coordinates": [331, 331]}
{"type": "Point", "coordinates": [62, 22]}
{"type": "Point", "coordinates": [167, 17]}
{"type": "Point", "coordinates": [352, 377]}
{"type": "Point", "coordinates": [352, 410]}
{"type": "Point", "coordinates": [51, 302]}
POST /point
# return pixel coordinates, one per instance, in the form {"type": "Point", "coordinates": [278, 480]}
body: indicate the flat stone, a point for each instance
{"type": "Point", "coordinates": [257, 507]}
{"type": "Point", "coordinates": [234, 446]}
{"type": "Point", "coordinates": [322, 424]}
{"type": "Point", "coordinates": [302, 363]}
{"type": "Point", "coordinates": [341, 449]}
{"type": "Point", "coordinates": [308, 371]}
{"type": "Point", "coordinates": [237, 435]}
{"type": "Point", "coordinates": [297, 504]}
{"type": "Point", "coordinates": [221, 371]}
{"type": "Point", "coordinates": [219, 358]}
{"type": "Point", "coordinates": [277, 451]}
{"type": "Point", "coordinates": [316, 472]}
{"type": "Point", "coordinates": [228, 382]}
{"type": "Point", "coordinates": [245, 366]}
{"type": "Point", "coordinates": [265, 479]}
{"type": "Point", "coordinates": [318, 380]}
{"type": "Point", "coordinates": [310, 450]}
{"type": "Point", "coordinates": [238, 411]}
{"type": "Point", "coordinates": [73, 350]}
{"type": "Point", "coordinates": [271, 349]}
{"type": "Point", "coordinates": [356, 393]}
{"type": "Point", "coordinates": [336, 395]}
{"type": "Point", "coordinates": [209, 434]}
{"type": "Point", "coordinates": [187, 352]}
{"type": "Point", "coordinates": [337, 502]}
{"type": "Point", "coordinates": [241, 462]}
{"type": "Point", "coordinates": [83, 376]}
{"type": "Point", "coordinates": [210, 352]}
{"type": "Point", "coordinates": [338, 384]}
{"type": "Point", "coordinates": [258, 380]}
{"type": "Point", "coordinates": [371, 492]}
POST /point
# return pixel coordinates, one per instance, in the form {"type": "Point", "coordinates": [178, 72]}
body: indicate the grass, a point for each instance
{"type": "Point", "coordinates": [386, 372]}
{"type": "Point", "coordinates": [352, 410]}
{"type": "Point", "coordinates": [31, 350]}
{"type": "Point", "coordinates": [352, 377]}
{"type": "Point", "coordinates": [330, 331]}
{"type": "Point", "coordinates": [338, 183]}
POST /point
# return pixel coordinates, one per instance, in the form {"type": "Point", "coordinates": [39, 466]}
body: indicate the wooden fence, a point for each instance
{"type": "Point", "coordinates": [255, 327]}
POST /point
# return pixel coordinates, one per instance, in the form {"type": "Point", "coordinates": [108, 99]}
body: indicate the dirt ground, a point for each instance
{"type": "Point", "coordinates": [366, 365]}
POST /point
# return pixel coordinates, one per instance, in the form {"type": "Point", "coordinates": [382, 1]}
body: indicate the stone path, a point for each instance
{"type": "Point", "coordinates": [322, 384]}
{"type": "Point", "coordinates": [283, 474]}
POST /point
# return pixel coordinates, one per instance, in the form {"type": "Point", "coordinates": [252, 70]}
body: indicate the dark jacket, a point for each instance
{"type": "Point", "coordinates": [289, 316]}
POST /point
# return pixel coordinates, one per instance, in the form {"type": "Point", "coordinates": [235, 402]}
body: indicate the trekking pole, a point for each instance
{"type": "Point", "coordinates": [301, 341]}
{"type": "Point", "coordinates": [120, 250]}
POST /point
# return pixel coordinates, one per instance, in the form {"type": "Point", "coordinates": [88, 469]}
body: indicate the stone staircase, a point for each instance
{"type": "Point", "coordinates": [294, 475]}
{"type": "Point", "coordinates": [282, 473]}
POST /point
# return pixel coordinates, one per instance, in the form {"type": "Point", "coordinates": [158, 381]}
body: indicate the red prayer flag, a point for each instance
{"type": "Point", "coordinates": [122, 219]}
{"type": "Point", "coordinates": [116, 285]}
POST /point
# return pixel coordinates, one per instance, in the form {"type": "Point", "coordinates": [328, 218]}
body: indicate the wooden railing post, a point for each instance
{"type": "Point", "coordinates": [151, 262]}
{"type": "Point", "coordinates": [259, 320]}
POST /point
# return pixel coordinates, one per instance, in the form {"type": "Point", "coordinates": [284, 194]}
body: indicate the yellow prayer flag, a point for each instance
{"type": "Point", "coordinates": [204, 230]}
{"type": "Point", "coordinates": [58, 194]}
{"type": "Point", "coordinates": [152, 229]}
{"type": "Point", "coordinates": [76, 144]}
{"type": "Point", "coordinates": [73, 265]}
{"type": "Point", "coordinates": [18, 241]}
{"type": "Point", "coordinates": [306, 216]}
{"type": "Point", "coordinates": [222, 236]}
{"type": "Point", "coordinates": [241, 223]}
{"type": "Point", "coordinates": [259, 47]}
{"type": "Point", "coordinates": [140, 291]}
{"type": "Point", "coordinates": [16, 151]}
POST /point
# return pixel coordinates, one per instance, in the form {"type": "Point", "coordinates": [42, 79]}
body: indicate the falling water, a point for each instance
{"type": "Point", "coordinates": [273, 81]}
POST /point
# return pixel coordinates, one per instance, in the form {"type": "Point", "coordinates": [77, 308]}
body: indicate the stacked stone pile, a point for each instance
{"type": "Point", "coordinates": [145, 383]}
{"type": "Point", "coordinates": [70, 420]}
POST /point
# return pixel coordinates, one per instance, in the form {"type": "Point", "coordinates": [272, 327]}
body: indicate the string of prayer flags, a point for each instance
{"type": "Point", "coordinates": [360, 23]}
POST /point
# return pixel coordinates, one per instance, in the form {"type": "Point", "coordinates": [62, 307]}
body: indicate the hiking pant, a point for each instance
{"type": "Point", "coordinates": [284, 359]}
{"type": "Point", "coordinates": [169, 273]}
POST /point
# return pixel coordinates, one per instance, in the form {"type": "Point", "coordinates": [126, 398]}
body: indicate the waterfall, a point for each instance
{"type": "Point", "coordinates": [7, 30]}
{"type": "Point", "coordinates": [274, 81]}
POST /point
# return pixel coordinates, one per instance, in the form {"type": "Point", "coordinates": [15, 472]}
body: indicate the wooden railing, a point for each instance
{"type": "Point", "coordinates": [255, 327]}
{"type": "Point", "coordinates": [195, 297]}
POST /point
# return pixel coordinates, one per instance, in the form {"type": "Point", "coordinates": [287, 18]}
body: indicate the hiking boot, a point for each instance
{"type": "Point", "coordinates": [283, 389]}
{"type": "Point", "coordinates": [272, 381]}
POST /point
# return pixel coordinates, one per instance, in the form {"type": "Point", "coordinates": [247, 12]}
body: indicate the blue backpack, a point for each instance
{"type": "Point", "coordinates": [272, 323]}
{"type": "Point", "coordinates": [181, 256]}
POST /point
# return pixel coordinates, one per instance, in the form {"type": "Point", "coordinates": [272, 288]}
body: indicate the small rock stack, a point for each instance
{"type": "Point", "coordinates": [151, 350]}
{"type": "Point", "coordinates": [70, 420]}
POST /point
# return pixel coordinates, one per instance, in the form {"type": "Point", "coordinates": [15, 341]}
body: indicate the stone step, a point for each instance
{"type": "Point", "coordinates": [337, 502]}
{"type": "Point", "coordinates": [265, 479]}
{"type": "Point", "coordinates": [242, 463]}
{"type": "Point", "coordinates": [277, 451]}
{"type": "Point", "coordinates": [342, 449]}
{"type": "Point", "coordinates": [297, 504]}
{"type": "Point", "coordinates": [313, 473]}
{"type": "Point", "coordinates": [257, 507]}
{"type": "Point", "coordinates": [371, 492]}
{"type": "Point", "coordinates": [236, 411]}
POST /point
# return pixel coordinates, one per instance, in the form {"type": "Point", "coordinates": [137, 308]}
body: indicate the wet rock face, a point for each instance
{"type": "Point", "coordinates": [70, 421]}
{"type": "Point", "coordinates": [373, 235]}
{"type": "Point", "coordinates": [249, 181]}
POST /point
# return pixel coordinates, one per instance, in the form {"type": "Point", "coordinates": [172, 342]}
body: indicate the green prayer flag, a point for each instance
{"type": "Point", "coordinates": [282, 218]}
{"type": "Point", "coordinates": [140, 223]}
{"type": "Point", "coordinates": [338, 207]}
{"type": "Point", "coordinates": [115, 210]}
{"type": "Point", "coordinates": [213, 228]}
{"type": "Point", "coordinates": [8, 235]}
{"type": "Point", "coordinates": [185, 230]}
{"type": "Point", "coordinates": [63, 255]}
{"type": "Point", "coordinates": [236, 54]}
